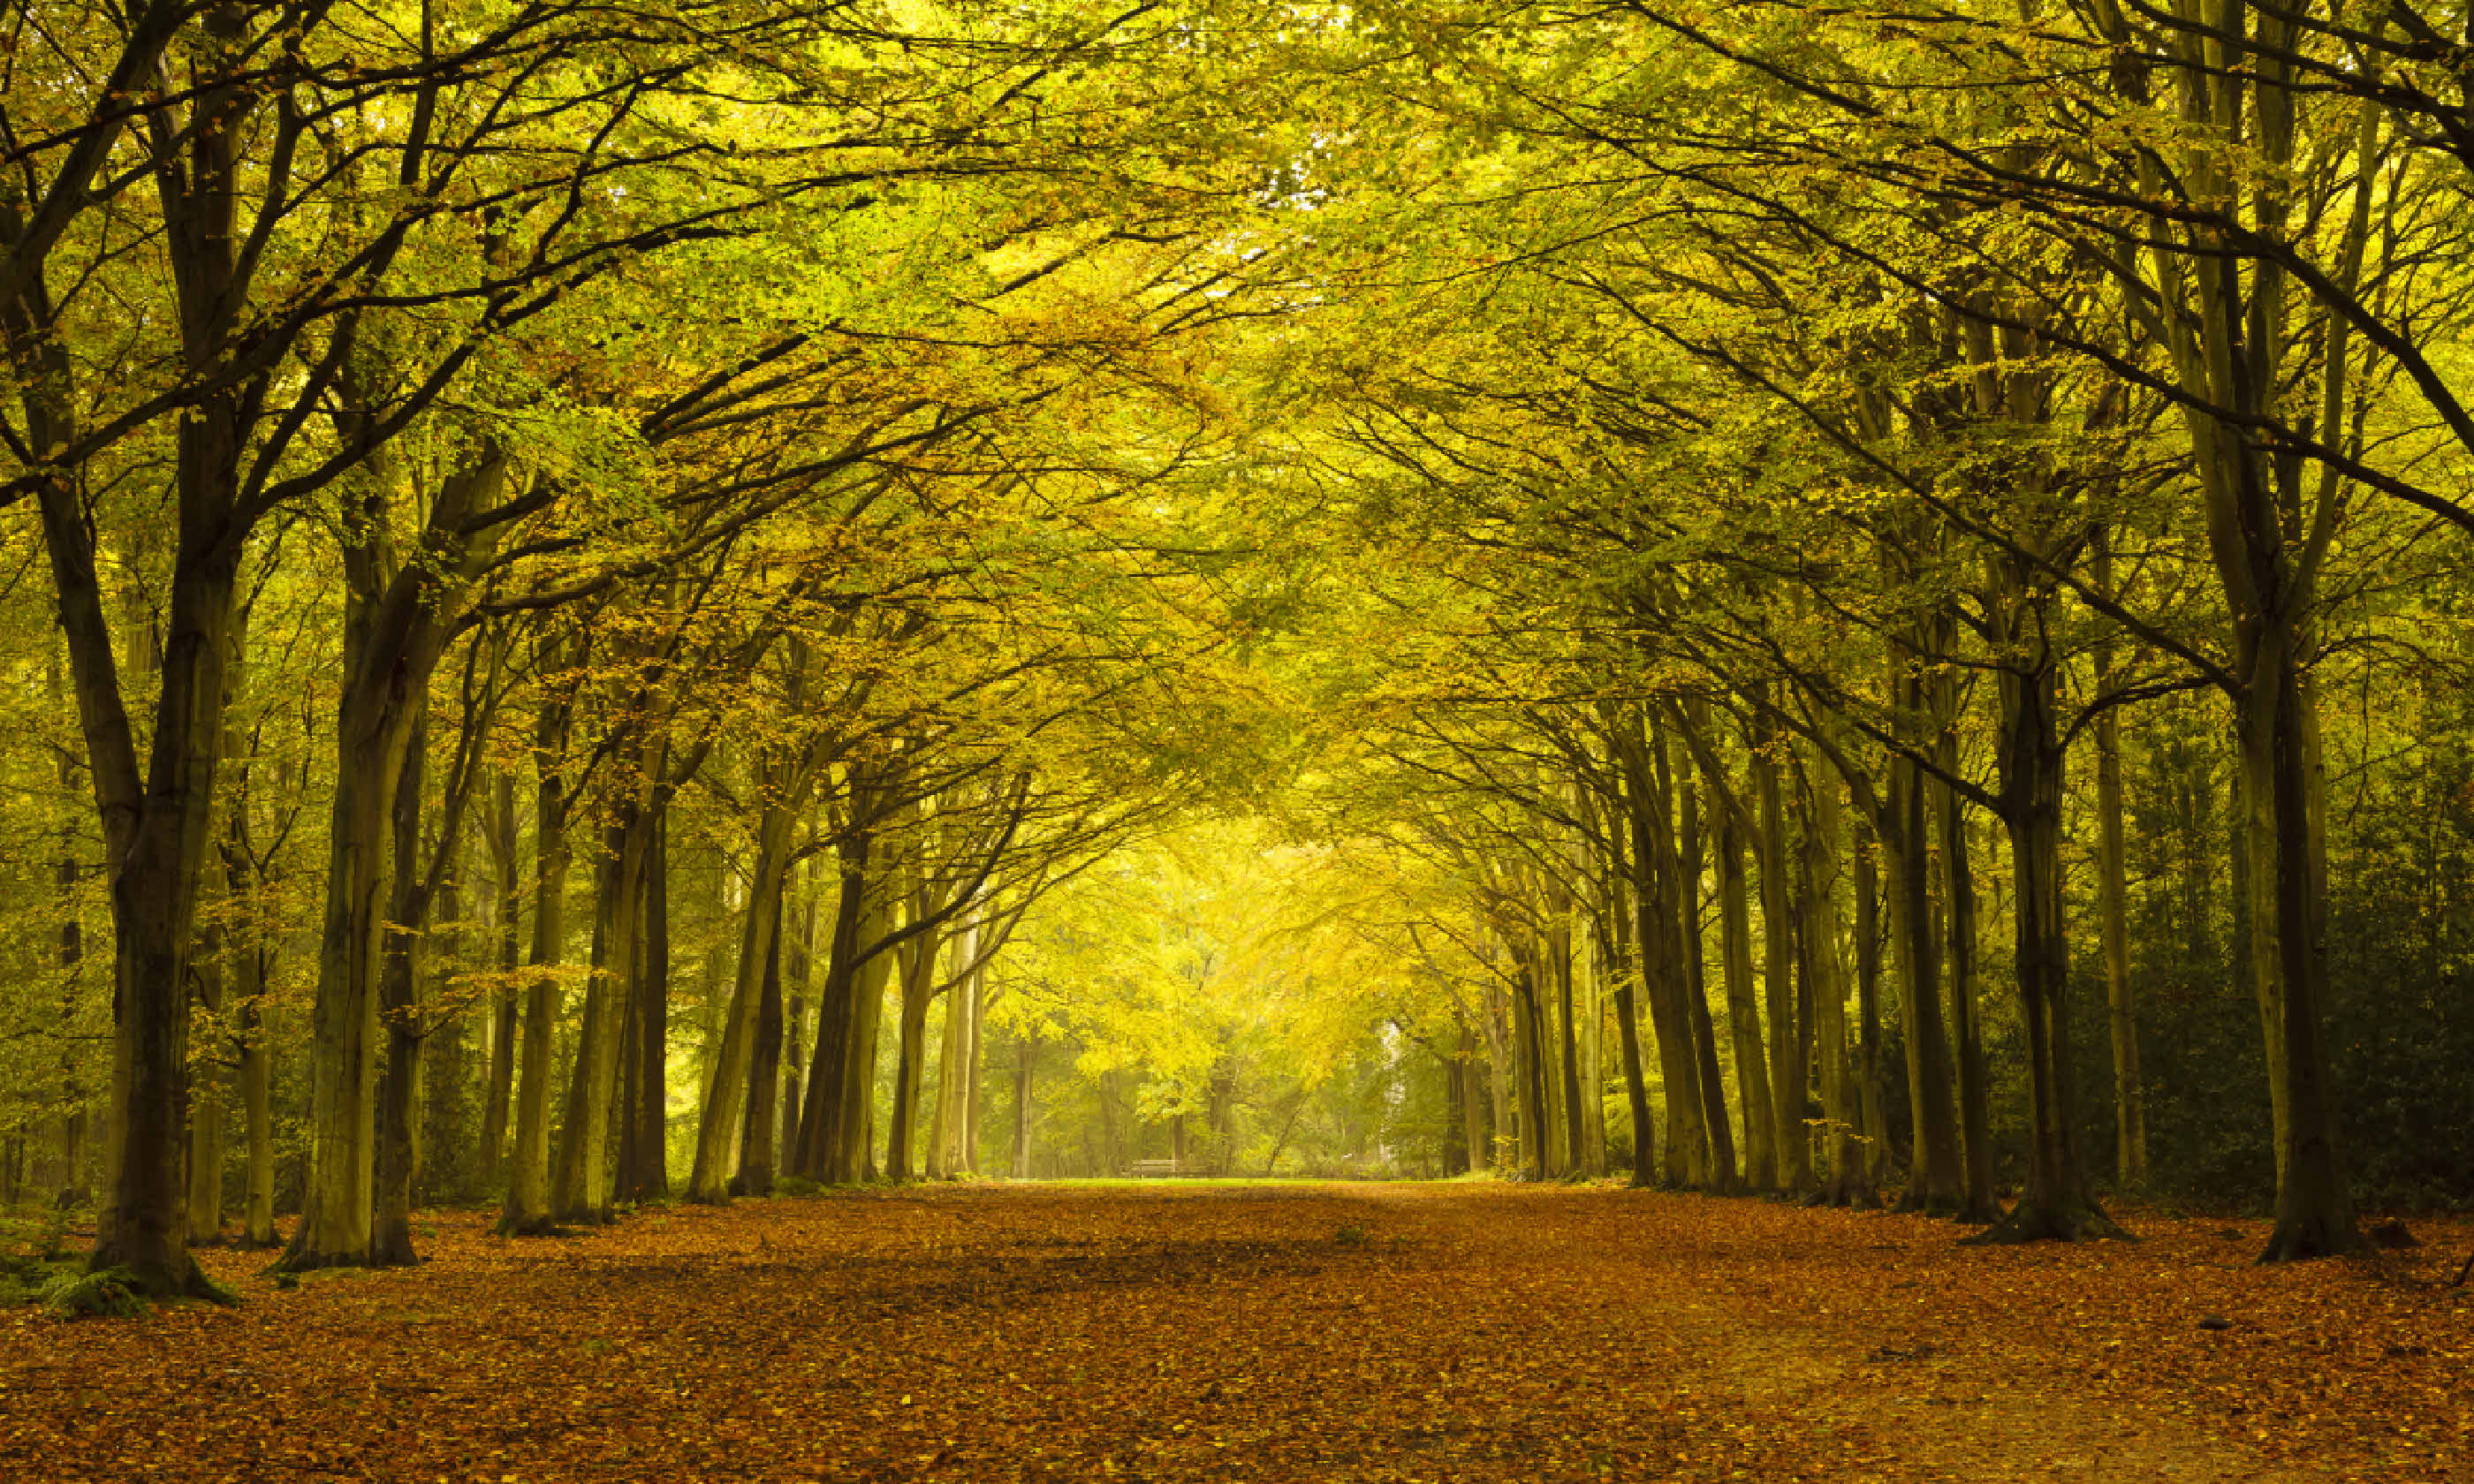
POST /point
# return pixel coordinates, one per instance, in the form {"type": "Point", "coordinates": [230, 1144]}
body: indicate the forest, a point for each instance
{"type": "Point", "coordinates": [616, 608]}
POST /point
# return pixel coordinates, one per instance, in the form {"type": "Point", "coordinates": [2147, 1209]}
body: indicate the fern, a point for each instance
{"type": "Point", "coordinates": [108, 1293]}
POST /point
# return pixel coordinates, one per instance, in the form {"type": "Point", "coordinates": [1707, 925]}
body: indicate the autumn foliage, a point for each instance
{"type": "Point", "coordinates": [1273, 1332]}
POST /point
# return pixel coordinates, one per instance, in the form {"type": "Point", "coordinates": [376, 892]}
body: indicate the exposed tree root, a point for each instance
{"type": "Point", "coordinates": [538, 1226]}
{"type": "Point", "coordinates": [296, 1261]}
{"type": "Point", "coordinates": [2302, 1238]}
{"type": "Point", "coordinates": [2067, 1221]}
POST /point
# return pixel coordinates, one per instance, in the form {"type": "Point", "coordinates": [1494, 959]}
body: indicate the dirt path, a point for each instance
{"type": "Point", "coordinates": [1288, 1333]}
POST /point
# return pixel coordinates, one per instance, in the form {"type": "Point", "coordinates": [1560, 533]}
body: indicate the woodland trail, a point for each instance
{"type": "Point", "coordinates": [1289, 1333]}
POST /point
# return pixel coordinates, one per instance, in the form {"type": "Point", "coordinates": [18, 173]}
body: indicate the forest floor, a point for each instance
{"type": "Point", "coordinates": [1275, 1332]}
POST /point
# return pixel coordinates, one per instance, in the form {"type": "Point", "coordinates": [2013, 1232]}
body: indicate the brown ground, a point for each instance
{"type": "Point", "coordinates": [1422, 1332]}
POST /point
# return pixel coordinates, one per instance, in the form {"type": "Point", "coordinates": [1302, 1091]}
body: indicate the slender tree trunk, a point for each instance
{"type": "Point", "coordinates": [649, 1178]}
{"type": "Point", "coordinates": [1824, 853]}
{"type": "Point", "coordinates": [725, 1109]}
{"type": "Point", "coordinates": [1715, 1126]}
{"type": "Point", "coordinates": [527, 1209]}
{"type": "Point", "coordinates": [499, 833]}
{"type": "Point", "coordinates": [207, 1106]}
{"type": "Point", "coordinates": [814, 1155]}
{"type": "Point", "coordinates": [798, 964]}
{"type": "Point", "coordinates": [1788, 1058]}
{"type": "Point", "coordinates": [398, 1151]}
{"type": "Point", "coordinates": [756, 1155]}
{"type": "Point", "coordinates": [581, 1191]}
{"type": "Point", "coordinates": [1661, 907]}
{"type": "Point", "coordinates": [1876, 1163]}
{"type": "Point", "coordinates": [918, 984]}
{"type": "Point", "coordinates": [946, 1159]}
{"type": "Point", "coordinates": [1025, 1053]}
{"type": "Point", "coordinates": [2130, 1101]}
{"type": "Point", "coordinates": [973, 1066]}
{"type": "Point", "coordinates": [2056, 1203]}
{"type": "Point", "coordinates": [1559, 952]}
{"type": "Point", "coordinates": [1530, 1051]}
{"type": "Point", "coordinates": [1935, 1181]}
{"type": "Point", "coordinates": [256, 1100]}
{"type": "Point", "coordinates": [1615, 927]}
{"type": "Point", "coordinates": [1503, 1147]}
{"type": "Point", "coordinates": [2315, 1206]}
{"type": "Point", "coordinates": [854, 1125]}
{"type": "Point", "coordinates": [1743, 1015]}
{"type": "Point", "coordinates": [1974, 1091]}
{"type": "Point", "coordinates": [448, 1168]}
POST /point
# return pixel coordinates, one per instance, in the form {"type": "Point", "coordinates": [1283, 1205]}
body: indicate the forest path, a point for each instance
{"type": "Point", "coordinates": [1271, 1333]}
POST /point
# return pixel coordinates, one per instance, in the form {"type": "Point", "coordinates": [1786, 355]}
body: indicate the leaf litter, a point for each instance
{"type": "Point", "coordinates": [1387, 1333]}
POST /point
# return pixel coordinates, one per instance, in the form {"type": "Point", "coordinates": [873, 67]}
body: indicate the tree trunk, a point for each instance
{"type": "Point", "coordinates": [1026, 1052]}
{"type": "Point", "coordinates": [207, 1106]}
{"type": "Point", "coordinates": [647, 1178]}
{"type": "Point", "coordinates": [2314, 1206]}
{"type": "Point", "coordinates": [256, 1101]}
{"type": "Point", "coordinates": [499, 833]}
{"type": "Point", "coordinates": [1502, 1146]}
{"type": "Point", "coordinates": [398, 1149]}
{"type": "Point", "coordinates": [1872, 1097]}
{"type": "Point", "coordinates": [1559, 951]}
{"type": "Point", "coordinates": [2056, 1204]}
{"type": "Point", "coordinates": [157, 823]}
{"type": "Point", "coordinates": [1974, 1091]}
{"type": "Point", "coordinates": [399, 617]}
{"type": "Point", "coordinates": [1708, 1077]}
{"type": "Point", "coordinates": [1822, 856]}
{"type": "Point", "coordinates": [1789, 1058]}
{"type": "Point", "coordinates": [726, 1108]}
{"type": "Point", "coordinates": [1615, 927]}
{"type": "Point", "coordinates": [2112, 879]}
{"type": "Point", "coordinates": [446, 1167]}
{"type": "Point", "coordinates": [1743, 1015]}
{"type": "Point", "coordinates": [1660, 899]}
{"type": "Point", "coordinates": [1529, 1028]}
{"type": "Point", "coordinates": [582, 1189]}
{"type": "Point", "coordinates": [973, 1066]}
{"type": "Point", "coordinates": [919, 984]}
{"type": "Point", "coordinates": [946, 1155]}
{"type": "Point", "coordinates": [813, 1157]}
{"type": "Point", "coordinates": [854, 1111]}
{"type": "Point", "coordinates": [1934, 1180]}
{"type": "Point", "coordinates": [755, 1154]}
{"type": "Point", "coordinates": [799, 969]}
{"type": "Point", "coordinates": [527, 1209]}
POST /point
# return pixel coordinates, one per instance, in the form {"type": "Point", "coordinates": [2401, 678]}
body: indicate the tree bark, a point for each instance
{"type": "Point", "coordinates": [1025, 1053]}
{"type": "Point", "coordinates": [1874, 1099]}
{"type": "Point", "coordinates": [1744, 1014]}
{"type": "Point", "coordinates": [647, 1176]}
{"type": "Point", "coordinates": [527, 1209]}
{"type": "Point", "coordinates": [2056, 1203]}
{"type": "Point", "coordinates": [1975, 1090]}
{"type": "Point", "coordinates": [1715, 1126]}
{"type": "Point", "coordinates": [499, 833]}
{"type": "Point", "coordinates": [725, 1109]}
{"type": "Point", "coordinates": [2112, 892]}
{"type": "Point", "coordinates": [1789, 1058]}
{"type": "Point", "coordinates": [398, 1151]}
{"type": "Point", "coordinates": [756, 1152]}
{"type": "Point", "coordinates": [1935, 1181]}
